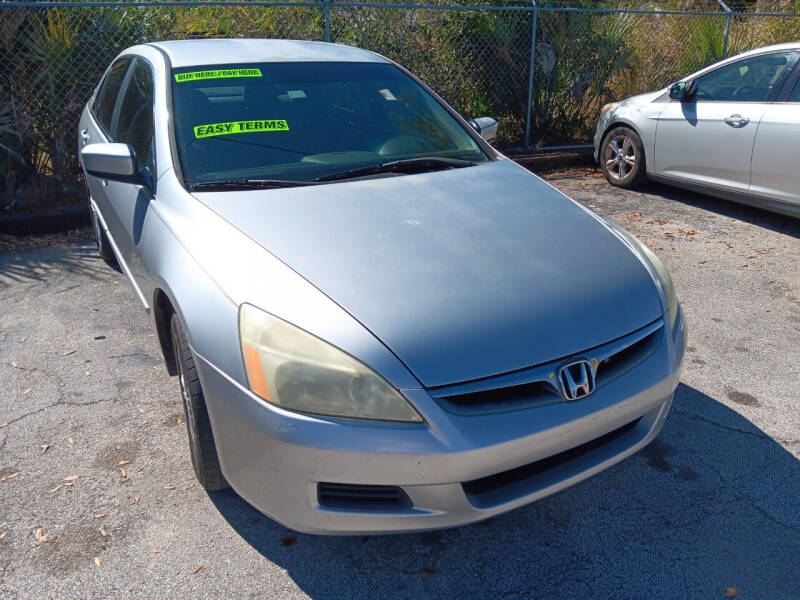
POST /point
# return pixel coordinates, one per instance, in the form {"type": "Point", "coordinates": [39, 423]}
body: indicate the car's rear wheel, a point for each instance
{"type": "Point", "coordinates": [100, 237]}
{"type": "Point", "coordinates": [201, 439]}
{"type": "Point", "coordinates": [622, 158]}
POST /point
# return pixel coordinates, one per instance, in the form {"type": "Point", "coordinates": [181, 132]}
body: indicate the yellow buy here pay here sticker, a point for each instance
{"type": "Point", "coordinates": [217, 74]}
{"type": "Point", "coordinates": [233, 127]}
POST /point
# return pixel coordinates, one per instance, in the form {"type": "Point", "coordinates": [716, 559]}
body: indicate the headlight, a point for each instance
{"type": "Point", "coordinates": [608, 107]}
{"type": "Point", "coordinates": [295, 370]}
{"type": "Point", "coordinates": [663, 275]}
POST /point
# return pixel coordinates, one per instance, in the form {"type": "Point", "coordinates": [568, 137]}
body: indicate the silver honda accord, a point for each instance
{"type": "Point", "coordinates": [379, 323]}
{"type": "Point", "coordinates": [731, 130]}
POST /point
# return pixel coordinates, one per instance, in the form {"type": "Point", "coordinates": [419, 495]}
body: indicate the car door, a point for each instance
{"type": "Point", "coordinates": [96, 125]}
{"type": "Point", "coordinates": [708, 139]}
{"type": "Point", "coordinates": [132, 124]}
{"type": "Point", "coordinates": [775, 172]}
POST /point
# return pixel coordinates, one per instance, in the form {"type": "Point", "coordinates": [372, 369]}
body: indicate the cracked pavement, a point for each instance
{"type": "Point", "coordinates": [93, 450]}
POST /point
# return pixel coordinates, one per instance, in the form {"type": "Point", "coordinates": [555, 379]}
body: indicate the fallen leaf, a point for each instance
{"type": "Point", "coordinates": [99, 515]}
{"type": "Point", "coordinates": [9, 476]}
{"type": "Point", "coordinates": [68, 352]}
{"type": "Point", "coordinates": [103, 532]}
{"type": "Point", "coordinates": [197, 569]}
{"type": "Point", "coordinates": [71, 477]}
{"type": "Point", "coordinates": [731, 592]}
{"type": "Point", "coordinates": [45, 447]}
{"type": "Point", "coordinates": [22, 339]}
{"type": "Point", "coordinates": [58, 487]}
{"type": "Point", "coordinates": [136, 499]}
{"type": "Point", "coordinates": [70, 440]}
{"type": "Point", "coordinates": [124, 462]}
{"type": "Point", "coordinates": [2, 535]}
{"type": "Point", "coordinates": [26, 392]}
{"type": "Point", "coordinates": [15, 365]}
{"type": "Point", "coordinates": [40, 537]}
{"type": "Point", "coordinates": [98, 561]}
{"type": "Point", "coordinates": [88, 373]}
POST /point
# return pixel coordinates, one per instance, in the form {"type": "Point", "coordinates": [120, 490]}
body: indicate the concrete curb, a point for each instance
{"type": "Point", "coordinates": [47, 221]}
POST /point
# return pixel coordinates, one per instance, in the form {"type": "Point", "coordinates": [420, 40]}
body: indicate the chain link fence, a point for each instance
{"type": "Point", "coordinates": [544, 69]}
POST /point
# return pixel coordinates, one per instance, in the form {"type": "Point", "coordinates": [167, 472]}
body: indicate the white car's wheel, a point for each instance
{"type": "Point", "coordinates": [622, 158]}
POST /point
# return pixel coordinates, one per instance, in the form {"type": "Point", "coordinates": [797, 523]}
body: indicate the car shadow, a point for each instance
{"type": "Point", "coordinates": [743, 212]}
{"type": "Point", "coordinates": [711, 507]}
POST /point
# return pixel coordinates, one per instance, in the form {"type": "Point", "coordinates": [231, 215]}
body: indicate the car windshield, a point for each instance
{"type": "Point", "coordinates": [301, 122]}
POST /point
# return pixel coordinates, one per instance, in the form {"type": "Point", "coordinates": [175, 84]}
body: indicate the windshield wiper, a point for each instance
{"type": "Point", "coordinates": [408, 165]}
{"type": "Point", "coordinates": [245, 184]}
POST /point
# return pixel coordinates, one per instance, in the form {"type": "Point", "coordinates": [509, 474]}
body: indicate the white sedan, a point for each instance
{"type": "Point", "coordinates": [731, 130]}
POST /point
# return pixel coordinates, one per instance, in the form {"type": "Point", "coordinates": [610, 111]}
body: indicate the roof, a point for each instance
{"type": "Point", "coordinates": [186, 53]}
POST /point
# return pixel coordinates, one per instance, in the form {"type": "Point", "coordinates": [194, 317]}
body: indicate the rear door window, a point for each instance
{"type": "Point", "coordinates": [103, 107]}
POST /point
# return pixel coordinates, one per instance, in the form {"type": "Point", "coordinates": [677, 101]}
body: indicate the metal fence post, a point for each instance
{"type": "Point", "coordinates": [728, 21]}
{"type": "Point", "coordinates": [531, 66]}
{"type": "Point", "coordinates": [326, 9]}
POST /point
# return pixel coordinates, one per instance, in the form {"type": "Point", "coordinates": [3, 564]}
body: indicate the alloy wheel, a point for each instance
{"type": "Point", "coordinates": [620, 157]}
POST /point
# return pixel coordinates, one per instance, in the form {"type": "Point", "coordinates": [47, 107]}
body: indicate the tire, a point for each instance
{"type": "Point", "coordinates": [103, 246]}
{"type": "Point", "coordinates": [202, 448]}
{"type": "Point", "coordinates": [622, 158]}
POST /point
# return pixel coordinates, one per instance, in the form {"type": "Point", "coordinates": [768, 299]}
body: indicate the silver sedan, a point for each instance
{"type": "Point", "coordinates": [731, 130]}
{"type": "Point", "coordinates": [379, 323]}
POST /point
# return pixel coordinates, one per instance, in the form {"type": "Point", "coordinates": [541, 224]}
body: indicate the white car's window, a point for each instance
{"type": "Point", "coordinates": [135, 122]}
{"type": "Point", "coordinates": [302, 121]}
{"type": "Point", "coordinates": [107, 96]}
{"type": "Point", "coordinates": [748, 80]}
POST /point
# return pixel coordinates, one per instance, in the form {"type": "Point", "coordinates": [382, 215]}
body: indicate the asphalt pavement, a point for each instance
{"type": "Point", "coordinates": [98, 497]}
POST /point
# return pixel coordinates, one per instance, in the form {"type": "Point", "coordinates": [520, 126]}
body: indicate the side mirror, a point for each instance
{"type": "Point", "coordinates": [679, 91]}
{"type": "Point", "coordinates": [115, 162]}
{"type": "Point", "coordinates": [486, 127]}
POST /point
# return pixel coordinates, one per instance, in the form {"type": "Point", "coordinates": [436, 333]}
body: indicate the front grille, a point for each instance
{"type": "Point", "coordinates": [362, 497]}
{"type": "Point", "coordinates": [537, 386]}
{"type": "Point", "coordinates": [527, 479]}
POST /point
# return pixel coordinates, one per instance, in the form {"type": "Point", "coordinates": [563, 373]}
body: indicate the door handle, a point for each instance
{"type": "Point", "coordinates": [84, 135]}
{"type": "Point", "coordinates": [737, 120]}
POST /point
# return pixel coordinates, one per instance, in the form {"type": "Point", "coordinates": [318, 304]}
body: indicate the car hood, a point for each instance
{"type": "Point", "coordinates": [464, 273]}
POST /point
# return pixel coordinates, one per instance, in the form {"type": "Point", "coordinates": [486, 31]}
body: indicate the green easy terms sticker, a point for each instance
{"type": "Point", "coordinates": [212, 129]}
{"type": "Point", "coordinates": [217, 74]}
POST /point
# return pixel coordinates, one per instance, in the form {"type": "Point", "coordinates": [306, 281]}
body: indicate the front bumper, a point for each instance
{"type": "Point", "coordinates": [275, 458]}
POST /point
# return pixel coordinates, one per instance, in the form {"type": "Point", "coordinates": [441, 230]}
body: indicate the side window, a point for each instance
{"type": "Point", "coordinates": [795, 95]}
{"type": "Point", "coordinates": [106, 98]}
{"type": "Point", "coordinates": [135, 122]}
{"type": "Point", "coordinates": [748, 80]}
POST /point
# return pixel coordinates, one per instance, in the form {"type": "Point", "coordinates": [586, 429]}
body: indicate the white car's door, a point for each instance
{"type": "Point", "coordinates": [775, 172]}
{"type": "Point", "coordinates": [708, 139]}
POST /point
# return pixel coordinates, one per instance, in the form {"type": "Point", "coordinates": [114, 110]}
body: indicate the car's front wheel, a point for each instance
{"type": "Point", "coordinates": [201, 439]}
{"type": "Point", "coordinates": [622, 158]}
